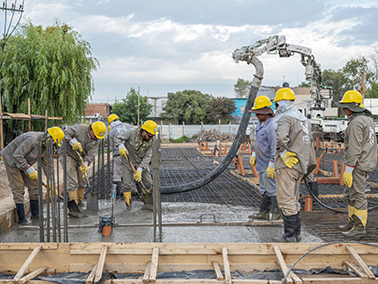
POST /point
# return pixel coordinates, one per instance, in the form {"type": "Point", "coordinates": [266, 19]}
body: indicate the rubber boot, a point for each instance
{"type": "Point", "coordinates": [80, 197]}
{"type": "Point", "coordinates": [359, 217]}
{"type": "Point", "coordinates": [290, 228]}
{"type": "Point", "coordinates": [127, 198]}
{"type": "Point", "coordinates": [263, 214]}
{"type": "Point", "coordinates": [297, 232]}
{"type": "Point", "coordinates": [34, 208]}
{"type": "Point", "coordinates": [348, 226]}
{"type": "Point", "coordinates": [21, 214]}
{"type": "Point", "coordinates": [148, 201]}
{"type": "Point", "coordinates": [276, 215]}
{"type": "Point", "coordinates": [74, 210]}
{"type": "Point", "coordinates": [314, 187]}
{"type": "Point", "coordinates": [118, 189]}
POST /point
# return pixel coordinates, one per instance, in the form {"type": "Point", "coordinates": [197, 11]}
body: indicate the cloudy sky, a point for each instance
{"type": "Point", "coordinates": [166, 46]}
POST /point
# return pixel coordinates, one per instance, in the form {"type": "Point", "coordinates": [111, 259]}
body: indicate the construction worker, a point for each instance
{"type": "Point", "coordinates": [292, 157]}
{"type": "Point", "coordinates": [360, 157]}
{"type": "Point", "coordinates": [115, 126]}
{"type": "Point", "coordinates": [135, 145]}
{"type": "Point", "coordinates": [263, 158]}
{"type": "Point", "coordinates": [248, 135]}
{"type": "Point", "coordinates": [19, 157]}
{"type": "Point", "coordinates": [83, 143]}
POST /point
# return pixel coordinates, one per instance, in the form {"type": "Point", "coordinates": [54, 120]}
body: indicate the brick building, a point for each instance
{"type": "Point", "coordinates": [97, 111]}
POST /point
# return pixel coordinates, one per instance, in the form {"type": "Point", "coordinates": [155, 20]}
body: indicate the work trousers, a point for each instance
{"type": "Point", "coordinates": [75, 178]}
{"type": "Point", "coordinates": [117, 168]}
{"type": "Point", "coordinates": [287, 187]}
{"type": "Point", "coordinates": [17, 178]}
{"type": "Point", "coordinates": [128, 179]}
{"type": "Point", "coordinates": [355, 195]}
{"type": "Point", "coordinates": [267, 185]}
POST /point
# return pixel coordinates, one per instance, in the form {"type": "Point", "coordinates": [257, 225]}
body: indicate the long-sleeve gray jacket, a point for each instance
{"type": "Point", "coordinates": [294, 136]}
{"type": "Point", "coordinates": [117, 127]}
{"type": "Point", "coordinates": [22, 152]}
{"type": "Point", "coordinates": [360, 145]}
{"type": "Point", "coordinates": [127, 138]}
{"type": "Point", "coordinates": [90, 146]}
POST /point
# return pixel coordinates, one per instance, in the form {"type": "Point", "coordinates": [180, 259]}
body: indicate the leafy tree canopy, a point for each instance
{"type": "Point", "coordinates": [127, 108]}
{"type": "Point", "coordinates": [372, 92]}
{"type": "Point", "coordinates": [336, 80]}
{"type": "Point", "coordinates": [52, 67]}
{"type": "Point", "coordinates": [219, 109]}
{"type": "Point", "coordinates": [241, 88]}
{"type": "Point", "coordinates": [353, 70]}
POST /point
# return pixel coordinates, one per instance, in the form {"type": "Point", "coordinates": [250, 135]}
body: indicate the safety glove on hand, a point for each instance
{"type": "Point", "coordinates": [33, 174]}
{"type": "Point", "coordinates": [76, 146]}
{"type": "Point", "coordinates": [123, 151]}
{"type": "Point", "coordinates": [252, 160]}
{"type": "Point", "coordinates": [84, 168]}
{"type": "Point", "coordinates": [270, 170]}
{"type": "Point", "coordinates": [347, 176]}
{"type": "Point", "coordinates": [289, 158]}
{"type": "Point", "coordinates": [138, 175]}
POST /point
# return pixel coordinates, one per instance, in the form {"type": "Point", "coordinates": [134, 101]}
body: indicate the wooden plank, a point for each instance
{"type": "Point", "coordinates": [27, 246]}
{"type": "Point", "coordinates": [146, 275]}
{"type": "Point", "coordinates": [91, 275]}
{"type": "Point", "coordinates": [154, 264]}
{"type": "Point", "coordinates": [26, 264]}
{"type": "Point", "coordinates": [217, 270]}
{"type": "Point", "coordinates": [33, 274]}
{"type": "Point", "coordinates": [100, 264]}
{"type": "Point", "coordinates": [226, 265]}
{"type": "Point", "coordinates": [355, 269]}
{"type": "Point", "coordinates": [282, 264]}
{"type": "Point", "coordinates": [360, 262]}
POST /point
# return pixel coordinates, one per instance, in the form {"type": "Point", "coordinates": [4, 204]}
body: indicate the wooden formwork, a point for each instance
{"type": "Point", "coordinates": [26, 260]}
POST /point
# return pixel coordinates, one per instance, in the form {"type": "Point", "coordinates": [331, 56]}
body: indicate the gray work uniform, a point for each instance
{"type": "Point", "coordinates": [142, 160]}
{"type": "Point", "coordinates": [19, 156]}
{"type": "Point", "coordinates": [294, 136]}
{"type": "Point", "coordinates": [116, 127]}
{"type": "Point", "coordinates": [360, 152]}
{"type": "Point", "coordinates": [79, 132]}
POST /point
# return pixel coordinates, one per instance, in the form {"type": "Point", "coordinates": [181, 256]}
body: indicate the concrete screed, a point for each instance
{"type": "Point", "coordinates": [171, 213]}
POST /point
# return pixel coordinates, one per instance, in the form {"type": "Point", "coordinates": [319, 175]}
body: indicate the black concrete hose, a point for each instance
{"type": "Point", "coordinates": [238, 139]}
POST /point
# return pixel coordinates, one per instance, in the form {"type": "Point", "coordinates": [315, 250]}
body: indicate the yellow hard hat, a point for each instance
{"type": "Point", "coordinates": [352, 96]}
{"type": "Point", "coordinates": [150, 126]}
{"type": "Point", "coordinates": [261, 102]}
{"type": "Point", "coordinates": [99, 129]}
{"type": "Point", "coordinates": [112, 117]}
{"type": "Point", "coordinates": [56, 133]}
{"type": "Point", "coordinates": [284, 94]}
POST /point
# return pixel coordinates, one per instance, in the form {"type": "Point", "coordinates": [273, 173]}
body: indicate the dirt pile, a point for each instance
{"type": "Point", "coordinates": [213, 135]}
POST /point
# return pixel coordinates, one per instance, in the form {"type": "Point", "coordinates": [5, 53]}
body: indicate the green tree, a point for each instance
{"type": "Point", "coordinates": [241, 88]}
{"type": "Point", "coordinates": [50, 66]}
{"type": "Point", "coordinates": [219, 108]}
{"type": "Point", "coordinates": [372, 91]}
{"type": "Point", "coordinates": [336, 80]}
{"type": "Point", "coordinates": [127, 109]}
{"type": "Point", "coordinates": [305, 84]}
{"type": "Point", "coordinates": [188, 106]}
{"type": "Point", "coordinates": [353, 71]}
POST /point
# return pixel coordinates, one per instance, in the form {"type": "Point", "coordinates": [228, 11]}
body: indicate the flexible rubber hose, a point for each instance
{"type": "Point", "coordinates": [235, 145]}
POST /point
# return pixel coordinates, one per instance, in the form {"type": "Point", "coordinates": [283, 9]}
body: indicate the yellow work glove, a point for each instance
{"type": "Point", "coordinates": [83, 169]}
{"type": "Point", "coordinates": [252, 160]}
{"type": "Point", "coordinates": [138, 175]}
{"type": "Point", "coordinates": [289, 158]}
{"type": "Point", "coordinates": [76, 146]}
{"type": "Point", "coordinates": [123, 151]}
{"type": "Point", "coordinates": [34, 175]}
{"type": "Point", "coordinates": [347, 176]}
{"type": "Point", "coordinates": [270, 170]}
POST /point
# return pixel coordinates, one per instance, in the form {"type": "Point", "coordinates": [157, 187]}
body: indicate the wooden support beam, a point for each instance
{"type": "Point", "coordinates": [226, 265]}
{"type": "Point", "coordinates": [100, 263]}
{"type": "Point", "coordinates": [292, 276]}
{"type": "Point", "coordinates": [146, 275]}
{"type": "Point", "coordinates": [217, 270]}
{"type": "Point", "coordinates": [91, 276]}
{"type": "Point", "coordinates": [154, 264]}
{"type": "Point", "coordinates": [26, 264]}
{"type": "Point", "coordinates": [360, 262]}
{"type": "Point", "coordinates": [33, 274]}
{"type": "Point", "coordinates": [355, 270]}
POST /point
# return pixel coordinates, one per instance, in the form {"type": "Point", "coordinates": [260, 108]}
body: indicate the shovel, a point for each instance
{"type": "Point", "coordinates": [72, 206]}
{"type": "Point", "coordinates": [134, 171]}
{"type": "Point", "coordinates": [92, 197]}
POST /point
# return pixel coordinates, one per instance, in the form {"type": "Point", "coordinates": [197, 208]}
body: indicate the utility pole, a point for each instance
{"type": "Point", "coordinates": [6, 35]}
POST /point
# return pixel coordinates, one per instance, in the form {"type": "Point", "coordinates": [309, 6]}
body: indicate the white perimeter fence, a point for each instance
{"type": "Point", "coordinates": [175, 131]}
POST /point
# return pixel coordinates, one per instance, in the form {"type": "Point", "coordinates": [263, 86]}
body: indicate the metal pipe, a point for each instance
{"type": "Point", "coordinates": [40, 196]}
{"type": "Point", "coordinates": [58, 190]}
{"type": "Point", "coordinates": [238, 139]}
{"type": "Point", "coordinates": [65, 201]}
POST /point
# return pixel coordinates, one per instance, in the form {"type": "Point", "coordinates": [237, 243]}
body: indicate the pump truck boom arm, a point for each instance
{"type": "Point", "coordinates": [277, 45]}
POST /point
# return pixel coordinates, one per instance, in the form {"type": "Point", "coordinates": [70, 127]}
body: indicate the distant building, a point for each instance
{"type": "Point", "coordinates": [97, 111]}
